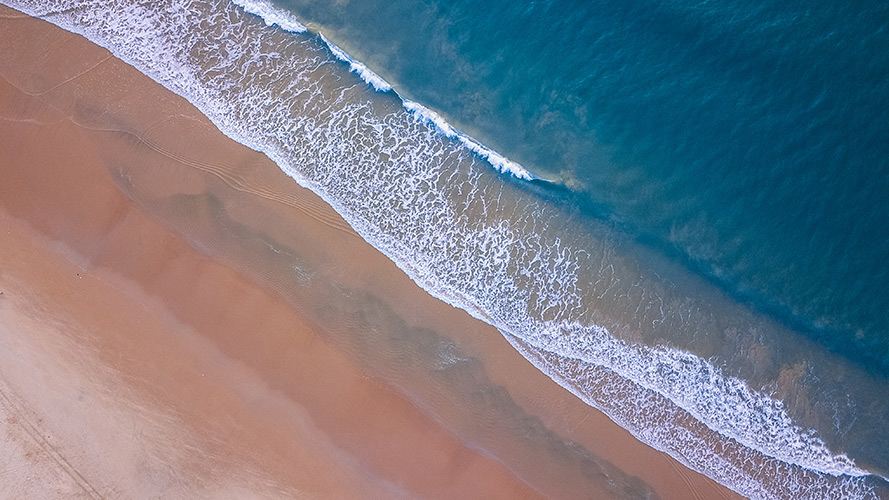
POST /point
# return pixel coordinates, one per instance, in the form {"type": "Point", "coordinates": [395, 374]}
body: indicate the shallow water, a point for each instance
{"type": "Point", "coordinates": [635, 269]}
{"type": "Point", "coordinates": [744, 139]}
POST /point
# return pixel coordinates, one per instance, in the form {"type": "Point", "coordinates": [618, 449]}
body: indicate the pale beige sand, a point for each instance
{"type": "Point", "coordinates": [154, 341]}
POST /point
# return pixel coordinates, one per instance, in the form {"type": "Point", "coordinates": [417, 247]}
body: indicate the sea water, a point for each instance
{"type": "Point", "coordinates": [747, 139]}
{"type": "Point", "coordinates": [676, 210]}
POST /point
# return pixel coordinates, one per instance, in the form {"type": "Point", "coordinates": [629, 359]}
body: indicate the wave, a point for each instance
{"type": "Point", "coordinates": [273, 16]}
{"type": "Point", "coordinates": [430, 203]}
{"type": "Point", "coordinates": [358, 67]}
{"type": "Point", "coordinates": [670, 429]}
{"type": "Point", "coordinates": [498, 161]}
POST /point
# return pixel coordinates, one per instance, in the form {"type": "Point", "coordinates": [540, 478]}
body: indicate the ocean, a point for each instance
{"type": "Point", "coordinates": [679, 211]}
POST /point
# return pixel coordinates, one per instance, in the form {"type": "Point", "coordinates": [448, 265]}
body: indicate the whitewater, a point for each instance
{"type": "Point", "coordinates": [430, 198]}
{"type": "Point", "coordinates": [274, 16]}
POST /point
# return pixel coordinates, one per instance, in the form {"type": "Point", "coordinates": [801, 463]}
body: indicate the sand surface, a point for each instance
{"type": "Point", "coordinates": [178, 319]}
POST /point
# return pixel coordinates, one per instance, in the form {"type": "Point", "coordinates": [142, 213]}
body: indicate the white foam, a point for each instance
{"type": "Point", "coordinates": [496, 160]}
{"type": "Point", "coordinates": [371, 78]}
{"type": "Point", "coordinates": [667, 431]}
{"type": "Point", "coordinates": [725, 404]}
{"type": "Point", "coordinates": [271, 15]}
{"type": "Point", "coordinates": [499, 162]}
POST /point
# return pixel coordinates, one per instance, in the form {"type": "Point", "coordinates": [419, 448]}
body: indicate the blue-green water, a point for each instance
{"type": "Point", "coordinates": [746, 139]}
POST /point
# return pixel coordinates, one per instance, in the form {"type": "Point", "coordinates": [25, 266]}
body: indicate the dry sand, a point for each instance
{"type": "Point", "coordinates": [178, 319]}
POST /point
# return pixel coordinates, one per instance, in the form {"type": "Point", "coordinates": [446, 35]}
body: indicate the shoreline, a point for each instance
{"type": "Point", "coordinates": [170, 235]}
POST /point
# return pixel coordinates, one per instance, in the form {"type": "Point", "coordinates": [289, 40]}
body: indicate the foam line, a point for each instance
{"type": "Point", "coordinates": [498, 161]}
{"type": "Point", "coordinates": [271, 15]}
{"type": "Point", "coordinates": [358, 67]}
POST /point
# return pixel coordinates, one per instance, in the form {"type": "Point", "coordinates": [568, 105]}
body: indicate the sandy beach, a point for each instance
{"type": "Point", "coordinates": [179, 319]}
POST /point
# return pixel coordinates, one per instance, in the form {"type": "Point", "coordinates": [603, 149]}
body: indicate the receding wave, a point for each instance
{"type": "Point", "coordinates": [427, 197]}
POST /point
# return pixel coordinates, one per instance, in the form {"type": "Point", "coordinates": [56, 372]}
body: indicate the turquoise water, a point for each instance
{"type": "Point", "coordinates": [705, 259]}
{"type": "Point", "coordinates": [745, 139]}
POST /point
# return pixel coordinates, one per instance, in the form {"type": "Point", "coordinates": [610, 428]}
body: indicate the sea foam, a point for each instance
{"type": "Point", "coordinates": [499, 162]}
{"type": "Point", "coordinates": [425, 202]}
{"type": "Point", "coordinates": [373, 79]}
{"type": "Point", "coordinates": [496, 160]}
{"type": "Point", "coordinates": [273, 16]}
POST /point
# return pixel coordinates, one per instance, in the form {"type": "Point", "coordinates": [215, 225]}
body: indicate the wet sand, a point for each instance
{"type": "Point", "coordinates": [180, 319]}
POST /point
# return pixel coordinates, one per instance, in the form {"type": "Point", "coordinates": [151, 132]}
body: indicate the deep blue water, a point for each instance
{"type": "Point", "coordinates": [746, 140]}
